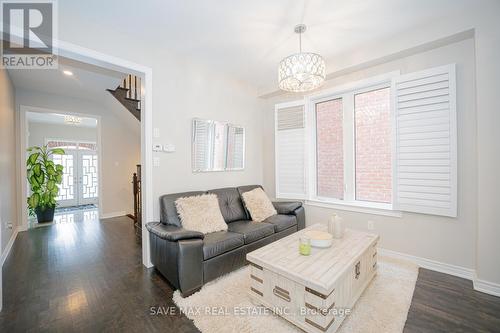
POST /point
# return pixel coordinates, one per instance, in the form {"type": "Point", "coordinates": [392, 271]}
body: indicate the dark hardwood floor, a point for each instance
{"type": "Point", "coordinates": [445, 303]}
{"type": "Point", "coordinates": [87, 277]}
{"type": "Point", "coordinates": [84, 277]}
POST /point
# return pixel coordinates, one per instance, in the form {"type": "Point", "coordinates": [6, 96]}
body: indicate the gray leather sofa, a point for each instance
{"type": "Point", "coordinates": [188, 259]}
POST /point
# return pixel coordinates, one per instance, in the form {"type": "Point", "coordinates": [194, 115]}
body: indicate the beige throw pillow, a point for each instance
{"type": "Point", "coordinates": [200, 213]}
{"type": "Point", "coordinates": [258, 204]}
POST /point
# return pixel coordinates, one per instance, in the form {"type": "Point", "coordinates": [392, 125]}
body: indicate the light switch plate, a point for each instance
{"type": "Point", "coordinates": [156, 161]}
{"type": "Point", "coordinates": [156, 132]}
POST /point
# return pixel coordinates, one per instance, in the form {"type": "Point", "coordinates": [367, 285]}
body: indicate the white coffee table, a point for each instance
{"type": "Point", "coordinates": [312, 291]}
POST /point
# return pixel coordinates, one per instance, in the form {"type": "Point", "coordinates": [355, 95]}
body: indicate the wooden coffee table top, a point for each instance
{"type": "Point", "coordinates": [323, 267]}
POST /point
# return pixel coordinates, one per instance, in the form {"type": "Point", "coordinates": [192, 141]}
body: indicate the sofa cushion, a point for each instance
{"type": "Point", "coordinates": [243, 189]}
{"type": "Point", "coordinates": [168, 212]}
{"type": "Point", "coordinates": [230, 204]}
{"type": "Point", "coordinates": [201, 213]}
{"type": "Point", "coordinates": [281, 222]}
{"type": "Point", "coordinates": [220, 242]}
{"type": "Point", "coordinates": [246, 188]}
{"type": "Point", "coordinates": [258, 204]}
{"type": "Point", "coordinates": [251, 231]}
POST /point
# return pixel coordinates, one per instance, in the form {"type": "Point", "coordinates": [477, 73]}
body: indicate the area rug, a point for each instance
{"type": "Point", "coordinates": [223, 305]}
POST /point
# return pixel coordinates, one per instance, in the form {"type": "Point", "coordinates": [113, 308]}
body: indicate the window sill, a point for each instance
{"type": "Point", "coordinates": [359, 207]}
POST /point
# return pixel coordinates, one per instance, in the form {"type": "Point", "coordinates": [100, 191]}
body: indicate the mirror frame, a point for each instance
{"type": "Point", "coordinates": [226, 125]}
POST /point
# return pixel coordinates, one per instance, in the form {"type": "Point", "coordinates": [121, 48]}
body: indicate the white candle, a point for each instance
{"type": "Point", "coordinates": [338, 228]}
{"type": "Point", "coordinates": [331, 224]}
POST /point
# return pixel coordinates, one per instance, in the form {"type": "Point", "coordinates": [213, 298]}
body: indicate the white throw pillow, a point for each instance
{"type": "Point", "coordinates": [258, 204]}
{"type": "Point", "coordinates": [200, 213]}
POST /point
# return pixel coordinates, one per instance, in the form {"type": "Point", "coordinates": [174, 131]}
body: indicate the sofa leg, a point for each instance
{"type": "Point", "coordinates": [190, 292]}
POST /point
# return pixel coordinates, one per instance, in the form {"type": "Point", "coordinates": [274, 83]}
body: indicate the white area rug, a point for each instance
{"type": "Point", "coordinates": [223, 305]}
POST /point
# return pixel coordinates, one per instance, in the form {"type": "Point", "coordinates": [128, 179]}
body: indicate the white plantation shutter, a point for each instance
{"type": "Point", "coordinates": [425, 129]}
{"type": "Point", "coordinates": [290, 148]}
{"type": "Point", "coordinates": [201, 153]}
{"type": "Point", "coordinates": [236, 147]}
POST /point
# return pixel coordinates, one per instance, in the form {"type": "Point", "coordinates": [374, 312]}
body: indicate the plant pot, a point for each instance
{"type": "Point", "coordinates": [46, 215]}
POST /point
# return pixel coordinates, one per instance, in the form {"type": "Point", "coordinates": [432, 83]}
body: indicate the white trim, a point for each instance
{"type": "Point", "coordinates": [357, 206]}
{"type": "Point", "coordinates": [487, 287]}
{"type": "Point", "coordinates": [99, 59]}
{"type": "Point", "coordinates": [113, 214]}
{"type": "Point", "coordinates": [394, 146]}
{"type": "Point", "coordinates": [360, 85]}
{"type": "Point", "coordinates": [483, 286]}
{"type": "Point", "coordinates": [437, 266]}
{"type": "Point", "coordinates": [8, 247]}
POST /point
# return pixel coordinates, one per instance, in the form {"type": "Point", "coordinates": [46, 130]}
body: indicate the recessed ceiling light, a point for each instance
{"type": "Point", "coordinates": [68, 73]}
{"type": "Point", "coordinates": [72, 120]}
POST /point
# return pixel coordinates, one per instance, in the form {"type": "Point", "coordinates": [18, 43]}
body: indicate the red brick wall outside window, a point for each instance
{"type": "Point", "coordinates": [373, 146]}
{"type": "Point", "coordinates": [329, 149]}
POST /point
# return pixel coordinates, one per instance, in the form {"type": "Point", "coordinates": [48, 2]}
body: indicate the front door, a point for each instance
{"type": "Point", "coordinates": [87, 186]}
{"type": "Point", "coordinates": [80, 178]}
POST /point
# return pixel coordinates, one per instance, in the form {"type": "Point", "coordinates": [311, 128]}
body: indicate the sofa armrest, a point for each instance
{"type": "Point", "coordinates": [287, 207]}
{"type": "Point", "coordinates": [180, 260]}
{"type": "Point", "coordinates": [171, 232]}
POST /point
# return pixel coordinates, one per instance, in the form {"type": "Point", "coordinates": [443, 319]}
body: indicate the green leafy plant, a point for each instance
{"type": "Point", "coordinates": [43, 176]}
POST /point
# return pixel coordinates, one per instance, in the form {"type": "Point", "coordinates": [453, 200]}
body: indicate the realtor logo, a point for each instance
{"type": "Point", "coordinates": [28, 34]}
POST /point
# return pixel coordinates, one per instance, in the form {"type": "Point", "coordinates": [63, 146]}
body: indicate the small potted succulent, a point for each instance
{"type": "Point", "coordinates": [43, 177]}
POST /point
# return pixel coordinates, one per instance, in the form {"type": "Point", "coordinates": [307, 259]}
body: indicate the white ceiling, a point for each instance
{"type": "Point", "coordinates": [88, 81]}
{"type": "Point", "coordinates": [58, 119]}
{"type": "Point", "coordinates": [247, 38]}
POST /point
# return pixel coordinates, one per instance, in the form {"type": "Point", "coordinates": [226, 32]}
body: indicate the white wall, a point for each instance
{"type": "Point", "coordinates": [39, 132]}
{"type": "Point", "coordinates": [120, 136]}
{"type": "Point", "coordinates": [199, 92]}
{"type": "Point", "coordinates": [448, 240]}
{"type": "Point", "coordinates": [8, 203]}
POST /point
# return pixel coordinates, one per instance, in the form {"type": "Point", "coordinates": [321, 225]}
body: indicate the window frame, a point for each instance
{"type": "Point", "coordinates": [76, 142]}
{"type": "Point", "coordinates": [346, 93]}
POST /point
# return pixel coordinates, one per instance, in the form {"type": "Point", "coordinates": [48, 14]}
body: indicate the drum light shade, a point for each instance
{"type": "Point", "coordinates": [303, 71]}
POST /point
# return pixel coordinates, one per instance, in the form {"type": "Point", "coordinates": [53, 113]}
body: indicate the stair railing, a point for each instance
{"type": "Point", "coordinates": [133, 84]}
{"type": "Point", "coordinates": [136, 183]}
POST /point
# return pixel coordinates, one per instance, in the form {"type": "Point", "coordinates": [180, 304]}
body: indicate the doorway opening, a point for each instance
{"type": "Point", "coordinates": [78, 197]}
{"type": "Point", "coordinates": [93, 60]}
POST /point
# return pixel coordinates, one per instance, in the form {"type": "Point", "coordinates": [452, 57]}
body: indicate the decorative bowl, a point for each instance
{"type": "Point", "coordinates": [320, 239]}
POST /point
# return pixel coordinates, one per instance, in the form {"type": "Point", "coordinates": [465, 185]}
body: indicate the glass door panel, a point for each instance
{"type": "Point", "coordinates": [88, 177]}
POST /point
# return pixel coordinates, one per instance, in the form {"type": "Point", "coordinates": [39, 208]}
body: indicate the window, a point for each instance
{"type": "Point", "coordinates": [71, 145]}
{"type": "Point", "coordinates": [372, 117]}
{"type": "Point", "coordinates": [353, 145]}
{"type": "Point", "coordinates": [329, 149]}
{"type": "Point", "coordinates": [385, 143]}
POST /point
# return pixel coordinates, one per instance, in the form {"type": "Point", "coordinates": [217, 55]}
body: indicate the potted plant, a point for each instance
{"type": "Point", "coordinates": [43, 176]}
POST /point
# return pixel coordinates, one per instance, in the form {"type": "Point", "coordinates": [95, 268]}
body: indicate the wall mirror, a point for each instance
{"type": "Point", "coordinates": [217, 146]}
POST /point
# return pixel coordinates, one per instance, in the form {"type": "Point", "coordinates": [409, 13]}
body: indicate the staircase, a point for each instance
{"type": "Point", "coordinates": [128, 93]}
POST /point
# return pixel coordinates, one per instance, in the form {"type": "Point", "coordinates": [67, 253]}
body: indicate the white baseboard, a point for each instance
{"type": "Point", "coordinates": [433, 265]}
{"type": "Point", "coordinates": [466, 273]}
{"type": "Point", "coordinates": [6, 252]}
{"type": "Point", "coordinates": [113, 214]}
{"type": "Point", "coordinates": [487, 287]}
